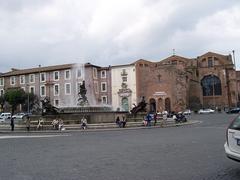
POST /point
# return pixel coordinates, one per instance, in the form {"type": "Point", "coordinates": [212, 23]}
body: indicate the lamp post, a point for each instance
{"type": "Point", "coordinates": [28, 107]}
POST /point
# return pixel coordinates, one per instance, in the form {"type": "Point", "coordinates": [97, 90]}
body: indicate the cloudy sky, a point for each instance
{"type": "Point", "coordinates": [112, 32]}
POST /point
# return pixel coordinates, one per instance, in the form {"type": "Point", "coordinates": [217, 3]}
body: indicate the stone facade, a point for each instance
{"type": "Point", "coordinates": [123, 87]}
{"type": "Point", "coordinates": [177, 83]}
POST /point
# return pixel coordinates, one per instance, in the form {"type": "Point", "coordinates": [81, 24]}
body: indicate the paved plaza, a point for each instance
{"type": "Point", "coordinates": [185, 152]}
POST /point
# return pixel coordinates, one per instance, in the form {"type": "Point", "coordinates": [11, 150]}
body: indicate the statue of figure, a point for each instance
{"type": "Point", "coordinates": [47, 108]}
{"type": "Point", "coordinates": [82, 100]}
{"type": "Point", "coordinates": [140, 107]}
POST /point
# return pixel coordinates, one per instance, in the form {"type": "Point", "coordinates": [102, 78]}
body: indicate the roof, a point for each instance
{"type": "Point", "coordinates": [36, 70]}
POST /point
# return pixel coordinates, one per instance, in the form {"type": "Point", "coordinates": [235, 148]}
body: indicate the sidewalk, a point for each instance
{"type": "Point", "coordinates": [5, 128]}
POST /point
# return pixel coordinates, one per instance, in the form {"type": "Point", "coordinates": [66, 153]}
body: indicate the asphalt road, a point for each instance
{"type": "Point", "coordinates": [176, 153]}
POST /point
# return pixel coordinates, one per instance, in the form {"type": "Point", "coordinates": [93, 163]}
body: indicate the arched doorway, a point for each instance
{"type": "Point", "coordinates": [152, 106]}
{"type": "Point", "coordinates": [125, 104]}
{"type": "Point", "coordinates": [160, 105]}
{"type": "Point", "coordinates": [168, 105]}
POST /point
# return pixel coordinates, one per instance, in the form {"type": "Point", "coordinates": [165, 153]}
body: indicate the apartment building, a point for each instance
{"type": "Point", "coordinates": [61, 83]}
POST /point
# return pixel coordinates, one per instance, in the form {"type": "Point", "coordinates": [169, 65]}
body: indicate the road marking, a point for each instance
{"type": "Point", "coordinates": [32, 136]}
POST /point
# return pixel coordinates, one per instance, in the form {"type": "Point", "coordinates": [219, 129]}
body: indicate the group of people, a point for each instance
{"type": "Point", "coordinates": [57, 124]}
{"type": "Point", "coordinates": [121, 123]}
{"type": "Point", "coordinates": [12, 123]}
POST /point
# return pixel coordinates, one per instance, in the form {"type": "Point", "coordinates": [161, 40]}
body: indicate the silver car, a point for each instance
{"type": "Point", "coordinates": [232, 145]}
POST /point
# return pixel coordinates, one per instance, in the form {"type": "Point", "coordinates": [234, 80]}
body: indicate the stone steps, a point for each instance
{"type": "Point", "coordinates": [33, 127]}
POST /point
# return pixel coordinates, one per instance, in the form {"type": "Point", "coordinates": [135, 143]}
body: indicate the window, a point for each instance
{"type": "Point", "coordinates": [1, 81]}
{"type": "Point", "coordinates": [32, 78]}
{"type": "Point", "coordinates": [13, 80]}
{"type": "Point", "coordinates": [210, 62]}
{"type": "Point", "coordinates": [22, 79]}
{"type": "Point", "coordinates": [96, 87]}
{"type": "Point", "coordinates": [23, 88]}
{"type": "Point", "coordinates": [79, 73]}
{"type": "Point", "coordinates": [124, 78]}
{"type": "Point", "coordinates": [1, 92]}
{"type": "Point", "coordinates": [32, 89]}
{"type": "Point", "coordinates": [124, 72]}
{"type": "Point", "coordinates": [42, 90]}
{"type": "Point", "coordinates": [103, 86]}
{"type": "Point", "coordinates": [67, 74]}
{"type": "Point", "coordinates": [56, 75]}
{"type": "Point", "coordinates": [42, 77]}
{"type": "Point", "coordinates": [78, 86]}
{"type": "Point", "coordinates": [56, 89]}
{"type": "Point", "coordinates": [95, 73]}
{"type": "Point", "coordinates": [103, 74]}
{"type": "Point", "coordinates": [56, 102]}
{"type": "Point", "coordinates": [159, 78]}
{"type": "Point", "coordinates": [104, 99]}
{"type": "Point", "coordinates": [211, 85]}
{"type": "Point", "coordinates": [67, 88]}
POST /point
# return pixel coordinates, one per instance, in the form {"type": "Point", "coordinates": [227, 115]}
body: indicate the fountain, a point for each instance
{"type": "Point", "coordinates": [76, 106]}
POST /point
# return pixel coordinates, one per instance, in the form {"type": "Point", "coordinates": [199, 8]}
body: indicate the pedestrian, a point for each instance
{"type": "Point", "coordinates": [149, 118]}
{"type": "Point", "coordinates": [124, 121]}
{"type": "Point", "coordinates": [83, 123]}
{"type": "Point", "coordinates": [155, 119]}
{"type": "Point", "coordinates": [12, 123]}
{"type": "Point", "coordinates": [60, 124]}
{"type": "Point", "coordinates": [118, 121]}
{"type": "Point", "coordinates": [28, 123]}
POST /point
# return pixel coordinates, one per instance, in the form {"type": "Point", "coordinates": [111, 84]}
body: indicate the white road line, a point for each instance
{"type": "Point", "coordinates": [32, 136]}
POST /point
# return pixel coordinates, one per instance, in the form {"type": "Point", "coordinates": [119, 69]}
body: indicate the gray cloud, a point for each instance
{"type": "Point", "coordinates": [114, 32]}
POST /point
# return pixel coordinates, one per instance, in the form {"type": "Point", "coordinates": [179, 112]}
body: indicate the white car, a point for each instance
{"type": "Point", "coordinates": [4, 116]}
{"type": "Point", "coordinates": [187, 112]}
{"type": "Point", "coordinates": [232, 145]}
{"type": "Point", "coordinates": [205, 111]}
{"type": "Point", "coordinates": [19, 115]}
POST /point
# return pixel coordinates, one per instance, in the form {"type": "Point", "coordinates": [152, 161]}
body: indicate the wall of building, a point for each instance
{"type": "Point", "coordinates": [123, 86]}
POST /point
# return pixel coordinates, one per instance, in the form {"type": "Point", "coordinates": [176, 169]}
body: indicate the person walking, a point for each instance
{"type": "Point", "coordinates": [12, 123]}
{"type": "Point", "coordinates": [28, 123]}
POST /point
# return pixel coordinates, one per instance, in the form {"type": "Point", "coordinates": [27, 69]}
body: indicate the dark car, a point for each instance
{"type": "Point", "coordinates": [233, 111]}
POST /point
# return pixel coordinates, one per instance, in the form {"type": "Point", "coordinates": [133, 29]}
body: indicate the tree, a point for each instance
{"type": "Point", "coordinates": [194, 103]}
{"type": "Point", "coordinates": [30, 101]}
{"type": "Point", "coordinates": [14, 97]}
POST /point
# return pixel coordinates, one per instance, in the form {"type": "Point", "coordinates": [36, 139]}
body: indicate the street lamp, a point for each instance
{"type": "Point", "coordinates": [28, 107]}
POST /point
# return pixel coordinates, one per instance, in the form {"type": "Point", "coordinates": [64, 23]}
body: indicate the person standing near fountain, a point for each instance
{"type": "Point", "coordinates": [83, 123]}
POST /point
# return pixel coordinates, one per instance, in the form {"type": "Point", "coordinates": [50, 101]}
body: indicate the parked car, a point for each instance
{"type": "Point", "coordinates": [234, 110]}
{"type": "Point", "coordinates": [5, 116]}
{"type": "Point", "coordinates": [187, 112]}
{"type": "Point", "coordinates": [19, 115]}
{"type": "Point", "coordinates": [205, 111]}
{"type": "Point", "coordinates": [232, 144]}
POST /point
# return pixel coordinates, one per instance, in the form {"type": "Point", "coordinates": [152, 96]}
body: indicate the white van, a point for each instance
{"type": "Point", "coordinates": [4, 116]}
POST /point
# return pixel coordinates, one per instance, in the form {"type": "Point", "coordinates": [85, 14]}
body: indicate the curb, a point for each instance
{"type": "Point", "coordinates": [101, 129]}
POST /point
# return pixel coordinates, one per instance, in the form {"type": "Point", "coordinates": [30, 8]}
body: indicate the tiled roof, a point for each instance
{"type": "Point", "coordinates": [36, 70]}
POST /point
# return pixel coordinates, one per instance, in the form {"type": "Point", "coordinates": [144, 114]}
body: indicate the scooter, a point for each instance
{"type": "Point", "coordinates": [180, 118]}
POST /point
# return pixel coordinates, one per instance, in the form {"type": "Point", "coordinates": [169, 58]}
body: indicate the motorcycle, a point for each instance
{"type": "Point", "coordinates": [180, 118]}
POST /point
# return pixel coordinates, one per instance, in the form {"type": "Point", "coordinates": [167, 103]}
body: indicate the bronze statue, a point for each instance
{"type": "Point", "coordinates": [82, 100]}
{"type": "Point", "coordinates": [47, 108]}
{"type": "Point", "coordinates": [140, 107]}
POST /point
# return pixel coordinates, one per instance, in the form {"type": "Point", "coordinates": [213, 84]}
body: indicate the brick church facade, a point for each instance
{"type": "Point", "coordinates": [177, 83]}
